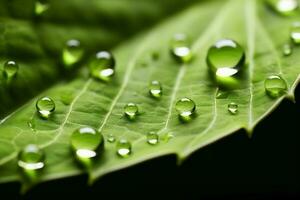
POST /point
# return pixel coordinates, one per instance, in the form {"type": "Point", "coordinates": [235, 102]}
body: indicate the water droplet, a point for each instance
{"type": "Point", "coordinates": [31, 158]}
{"type": "Point", "coordinates": [72, 53]}
{"type": "Point", "coordinates": [87, 142]}
{"type": "Point", "coordinates": [67, 97]}
{"type": "Point", "coordinates": [111, 138]}
{"type": "Point", "coordinates": [131, 110]}
{"type": "Point", "coordinates": [295, 33]}
{"type": "Point", "coordinates": [233, 108]}
{"type": "Point", "coordinates": [180, 48]}
{"type": "Point", "coordinates": [222, 94]}
{"type": "Point", "coordinates": [155, 89]}
{"type": "Point", "coordinates": [41, 6]}
{"type": "Point", "coordinates": [275, 86]}
{"type": "Point", "coordinates": [285, 7]}
{"type": "Point", "coordinates": [31, 124]}
{"type": "Point", "coordinates": [45, 107]}
{"type": "Point", "coordinates": [102, 66]}
{"type": "Point", "coordinates": [167, 136]}
{"type": "Point", "coordinates": [123, 148]}
{"type": "Point", "coordinates": [185, 108]}
{"type": "Point", "coordinates": [10, 69]}
{"type": "Point", "coordinates": [225, 58]}
{"type": "Point", "coordinates": [287, 49]}
{"type": "Point", "coordinates": [152, 138]}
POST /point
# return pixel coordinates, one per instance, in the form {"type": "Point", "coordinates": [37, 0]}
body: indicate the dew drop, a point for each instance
{"type": "Point", "coordinates": [72, 53]}
{"type": "Point", "coordinates": [233, 108]}
{"type": "Point", "coordinates": [123, 148]}
{"type": "Point", "coordinates": [87, 142]}
{"type": "Point", "coordinates": [111, 138]}
{"type": "Point", "coordinates": [102, 66]}
{"type": "Point", "coordinates": [287, 49]}
{"type": "Point", "coordinates": [155, 89]}
{"type": "Point", "coordinates": [185, 108]}
{"type": "Point", "coordinates": [222, 94]}
{"type": "Point", "coordinates": [31, 125]}
{"type": "Point", "coordinates": [180, 48]}
{"type": "Point", "coordinates": [295, 33]}
{"type": "Point", "coordinates": [225, 58]}
{"type": "Point", "coordinates": [275, 86]}
{"type": "Point", "coordinates": [284, 7]}
{"type": "Point", "coordinates": [152, 138]}
{"type": "Point", "coordinates": [10, 69]}
{"type": "Point", "coordinates": [45, 107]}
{"type": "Point", "coordinates": [41, 6]}
{"type": "Point", "coordinates": [31, 158]}
{"type": "Point", "coordinates": [131, 110]}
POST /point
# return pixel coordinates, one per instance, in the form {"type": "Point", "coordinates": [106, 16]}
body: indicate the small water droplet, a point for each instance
{"type": "Point", "coordinates": [287, 49]}
{"type": "Point", "coordinates": [31, 158]}
{"type": "Point", "coordinates": [295, 33]}
{"type": "Point", "coordinates": [111, 138]}
{"type": "Point", "coordinates": [45, 107]}
{"type": "Point", "coordinates": [41, 6]}
{"type": "Point", "coordinates": [185, 108]}
{"type": "Point", "coordinates": [102, 66]}
{"type": "Point", "coordinates": [180, 48]}
{"type": "Point", "coordinates": [155, 89]}
{"type": "Point", "coordinates": [87, 142]}
{"type": "Point", "coordinates": [31, 124]}
{"type": "Point", "coordinates": [275, 86]}
{"type": "Point", "coordinates": [167, 136]}
{"type": "Point", "coordinates": [72, 53]}
{"type": "Point", "coordinates": [285, 7]}
{"type": "Point", "coordinates": [222, 94]}
{"type": "Point", "coordinates": [225, 58]}
{"type": "Point", "coordinates": [152, 138]}
{"type": "Point", "coordinates": [233, 108]}
{"type": "Point", "coordinates": [67, 97]}
{"type": "Point", "coordinates": [10, 69]}
{"type": "Point", "coordinates": [131, 110]}
{"type": "Point", "coordinates": [123, 148]}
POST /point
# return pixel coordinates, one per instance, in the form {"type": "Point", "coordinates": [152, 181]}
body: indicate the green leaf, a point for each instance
{"type": "Point", "coordinates": [259, 30]}
{"type": "Point", "coordinates": [36, 42]}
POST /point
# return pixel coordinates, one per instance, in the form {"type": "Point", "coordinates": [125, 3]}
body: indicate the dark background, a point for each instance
{"type": "Point", "coordinates": [263, 167]}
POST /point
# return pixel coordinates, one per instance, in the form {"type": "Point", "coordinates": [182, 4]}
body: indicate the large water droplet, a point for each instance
{"type": "Point", "coordinates": [87, 142]}
{"type": "Point", "coordinates": [275, 86]}
{"type": "Point", "coordinates": [287, 49]}
{"type": "Point", "coordinates": [225, 58]}
{"type": "Point", "coordinates": [72, 53]}
{"type": "Point", "coordinates": [180, 48]}
{"type": "Point", "coordinates": [102, 66]}
{"type": "Point", "coordinates": [10, 69]}
{"type": "Point", "coordinates": [155, 89]}
{"type": "Point", "coordinates": [123, 148]}
{"type": "Point", "coordinates": [152, 138]}
{"type": "Point", "coordinates": [285, 7]}
{"type": "Point", "coordinates": [45, 107]}
{"type": "Point", "coordinates": [131, 110]}
{"type": "Point", "coordinates": [185, 108]}
{"type": "Point", "coordinates": [31, 158]}
{"type": "Point", "coordinates": [41, 6]}
{"type": "Point", "coordinates": [295, 33]}
{"type": "Point", "coordinates": [233, 108]}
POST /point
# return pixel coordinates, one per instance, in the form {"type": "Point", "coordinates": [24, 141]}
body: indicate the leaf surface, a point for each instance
{"type": "Point", "coordinates": [258, 29]}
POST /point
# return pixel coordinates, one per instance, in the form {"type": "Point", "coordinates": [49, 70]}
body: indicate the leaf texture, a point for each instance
{"type": "Point", "coordinates": [259, 30]}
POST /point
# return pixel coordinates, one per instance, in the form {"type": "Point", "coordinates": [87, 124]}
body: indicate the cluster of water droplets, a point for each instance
{"type": "Point", "coordinates": [225, 60]}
